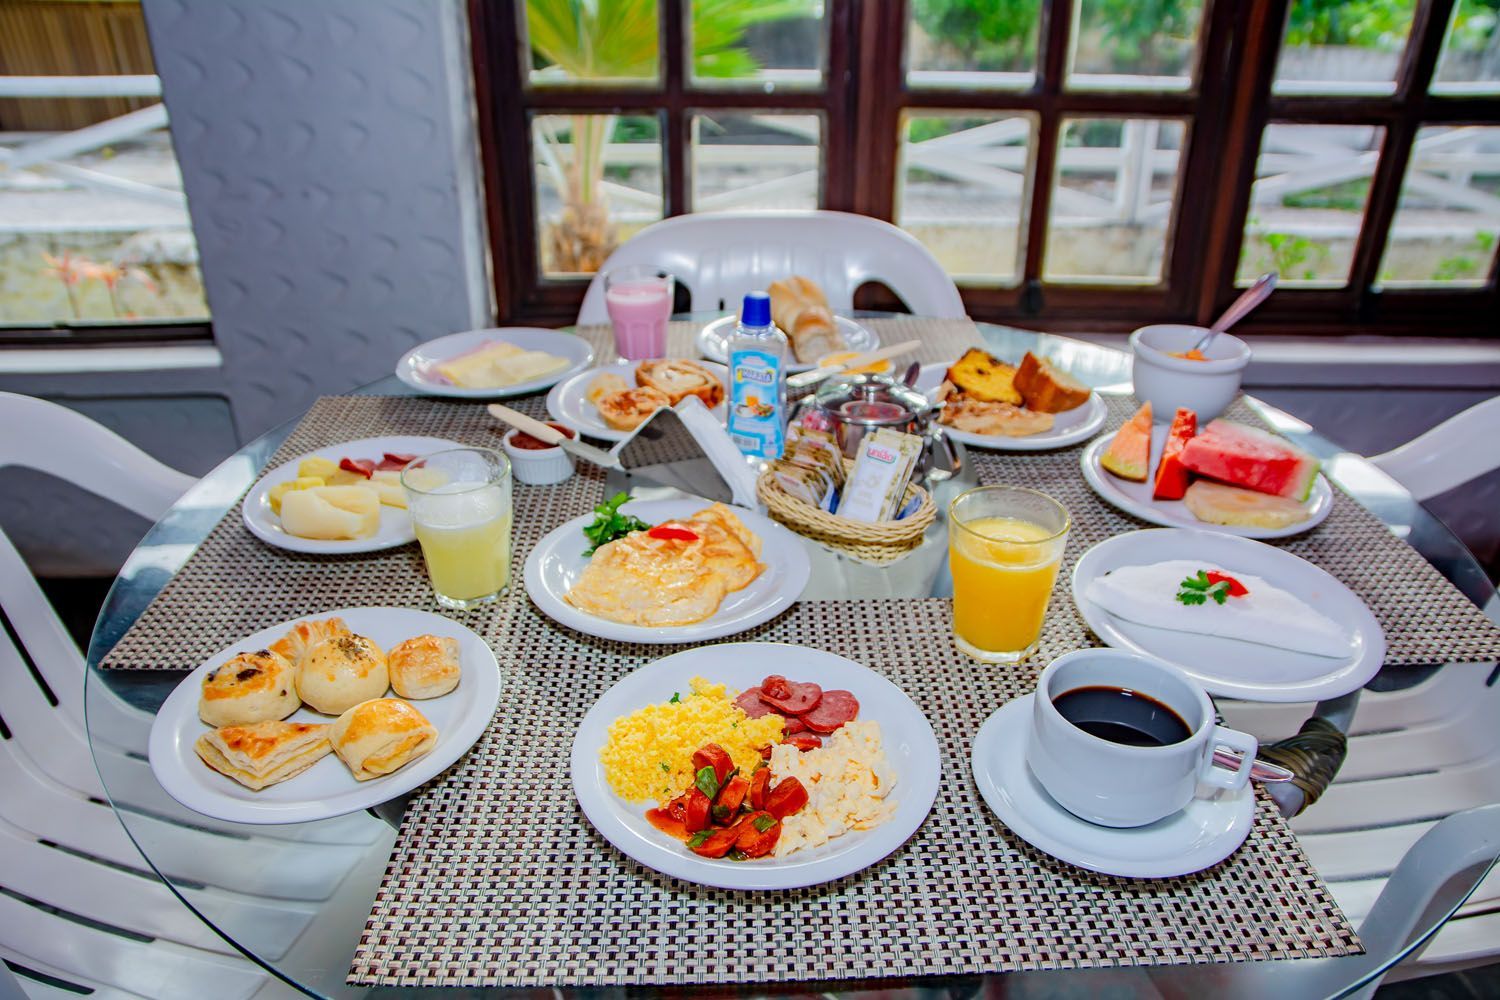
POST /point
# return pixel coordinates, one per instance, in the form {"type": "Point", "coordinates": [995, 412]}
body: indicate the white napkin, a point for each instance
{"type": "Point", "coordinates": [731, 463]}
{"type": "Point", "coordinates": [1266, 615]}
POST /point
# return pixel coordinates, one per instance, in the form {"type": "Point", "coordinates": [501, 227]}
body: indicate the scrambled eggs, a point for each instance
{"type": "Point", "coordinates": [847, 781]}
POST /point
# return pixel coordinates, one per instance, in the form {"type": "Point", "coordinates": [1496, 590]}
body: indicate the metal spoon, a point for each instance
{"type": "Point", "coordinates": [1261, 770]}
{"type": "Point", "coordinates": [1240, 308]}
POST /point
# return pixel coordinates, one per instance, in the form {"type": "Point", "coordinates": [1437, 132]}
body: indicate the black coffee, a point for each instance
{"type": "Point", "coordinates": [1121, 715]}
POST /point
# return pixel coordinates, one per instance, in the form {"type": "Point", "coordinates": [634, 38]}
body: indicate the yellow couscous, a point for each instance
{"type": "Point", "coordinates": [648, 755]}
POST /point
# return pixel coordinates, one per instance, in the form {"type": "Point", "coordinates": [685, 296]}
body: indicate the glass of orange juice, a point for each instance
{"type": "Point", "coordinates": [460, 505]}
{"type": "Point", "coordinates": [1004, 547]}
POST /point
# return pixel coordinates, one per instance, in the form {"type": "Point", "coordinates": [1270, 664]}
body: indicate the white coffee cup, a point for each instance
{"type": "Point", "coordinates": [1118, 784]}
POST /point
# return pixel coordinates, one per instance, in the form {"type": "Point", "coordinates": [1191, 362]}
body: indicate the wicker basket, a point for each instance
{"type": "Point", "coordinates": [877, 543]}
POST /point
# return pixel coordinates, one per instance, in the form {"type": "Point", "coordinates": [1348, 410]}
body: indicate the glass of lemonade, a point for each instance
{"type": "Point", "coordinates": [460, 505]}
{"type": "Point", "coordinates": [1004, 546]}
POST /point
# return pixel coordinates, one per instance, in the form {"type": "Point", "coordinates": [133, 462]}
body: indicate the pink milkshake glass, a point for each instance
{"type": "Point", "coordinates": [639, 300]}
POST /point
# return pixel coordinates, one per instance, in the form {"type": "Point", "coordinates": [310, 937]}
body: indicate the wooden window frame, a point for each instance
{"type": "Point", "coordinates": [865, 94]}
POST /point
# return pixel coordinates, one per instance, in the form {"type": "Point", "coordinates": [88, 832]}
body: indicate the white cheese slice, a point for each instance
{"type": "Point", "coordinates": [499, 364]}
{"type": "Point", "coordinates": [1266, 615]}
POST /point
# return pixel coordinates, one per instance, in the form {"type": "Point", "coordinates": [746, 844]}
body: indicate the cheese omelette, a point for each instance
{"type": "Point", "coordinates": [675, 574]}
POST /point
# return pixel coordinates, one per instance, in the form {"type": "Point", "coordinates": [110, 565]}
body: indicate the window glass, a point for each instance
{"type": "Point", "coordinates": [767, 44]}
{"type": "Point", "coordinates": [747, 161]}
{"type": "Point", "coordinates": [598, 182]}
{"type": "Point", "coordinates": [576, 41]}
{"type": "Point", "coordinates": [1343, 46]}
{"type": "Point", "coordinates": [1470, 60]}
{"type": "Point", "coordinates": [1116, 183]}
{"type": "Point", "coordinates": [962, 190]}
{"type": "Point", "coordinates": [1135, 44]}
{"type": "Point", "coordinates": [1312, 186]}
{"type": "Point", "coordinates": [1448, 216]}
{"type": "Point", "coordinates": [976, 44]}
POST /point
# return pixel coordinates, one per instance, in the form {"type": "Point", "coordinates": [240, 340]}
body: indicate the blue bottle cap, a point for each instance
{"type": "Point", "coordinates": [757, 309]}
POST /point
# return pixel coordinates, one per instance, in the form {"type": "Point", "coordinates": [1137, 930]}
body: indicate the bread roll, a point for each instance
{"type": "Point", "coordinates": [800, 308]}
{"type": "Point", "coordinates": [341, 672]}
{"type": "Point", "coordinates": [303, 636]}
{"type": "Point", "coordinates": [380, 736]}
{"type": "Point", "coordinates": [628, 409]}
{"type": "Point", "coordinates": [331, 512]}
{"type": "Point", "coordinates": [251, 687]}
{"type": "Point", "coordinates": [425, 667]}
{"type": "Point", "coordinates": [679, 379]}
{"type": "Point", "coordinates": [264, 753]}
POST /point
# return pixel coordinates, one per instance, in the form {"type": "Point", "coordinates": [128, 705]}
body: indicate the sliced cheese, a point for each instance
{"type": "Point", "coordinates": [1266, 615]}
{"type": "Point", "coordinates": [331, 512]}
{"type": "Point", "coordinates": [498, 365]}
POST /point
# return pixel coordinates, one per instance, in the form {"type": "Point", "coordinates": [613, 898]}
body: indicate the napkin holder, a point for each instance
{"type": "Point", "coordinates": [685, 448]}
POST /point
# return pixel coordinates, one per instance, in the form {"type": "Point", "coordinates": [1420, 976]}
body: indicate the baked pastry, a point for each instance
{"type": "Point", "coordinates": [251, 687]}
{"type": "Point", "coordinates": [263, 753]}
{"type": "Point", "coordinates": [679, 379]}
{"type": "Point", "coordinates": [628, 409]}
{"type": "Point", "coordinates": [977, 416]}
{"type": "Point", "coordinates": [1047, 389]}
{"type": "Point", "coordinates": [800, 309]}
{"type": "Point", "coordinates": [341, 672]}
{"type": "Point", "coordinates": [303, 636]}
{"type": "Point", "coordinates": [379, 736]}
{"type": "Point", "coordinates": [424, 667]}
{"type": "Point", "coordinates": [604, 385]}
{"type": "Point", "coordinates": [982, 376]}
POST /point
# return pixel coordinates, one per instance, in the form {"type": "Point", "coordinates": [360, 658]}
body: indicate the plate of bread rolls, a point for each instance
{"type": "Point", "coordinates": [611, 401]}
{"type": "Point", "coordinates": [1030, 406]}
{"type": "Point", "coordinates": [801, 311]}
{"type": "Point", "coordinates": [324, 715]}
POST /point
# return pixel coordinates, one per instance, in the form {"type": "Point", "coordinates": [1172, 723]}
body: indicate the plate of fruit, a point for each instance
{"type": "Point", "coordinates": [345, 498]}
{"type": "Point", "coordinates": [1225, 476]}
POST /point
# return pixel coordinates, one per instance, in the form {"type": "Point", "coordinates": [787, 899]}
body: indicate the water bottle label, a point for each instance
{"type": "Point", "coordinates": [754, 402]}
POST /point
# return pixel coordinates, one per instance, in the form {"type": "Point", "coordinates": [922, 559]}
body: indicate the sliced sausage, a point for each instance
{"type": "Point", "coordinates": [751, 703]}
{"type": "Point", "coordinates": [760, 785]}
{"type": "Point", "coordinates": [836, 708]}
{"type": "Point", "coordinates": [787, 797]}
{"type": "Point", "coordinates": [696, 811]}
{"type": "Point", "coordinates": [754, 841]}
{"type": "Point", "coordinates": [789, 697]}
{"type": "Point", "coordinates": [714, 756]}
{"type": "Point", "coordinates": [804, 741]}
{"type": "Point", "coordinates": [794, 725]}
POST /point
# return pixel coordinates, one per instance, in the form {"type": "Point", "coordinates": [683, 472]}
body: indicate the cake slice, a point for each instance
{"type": "Point", "coordinates": [1046, 388]}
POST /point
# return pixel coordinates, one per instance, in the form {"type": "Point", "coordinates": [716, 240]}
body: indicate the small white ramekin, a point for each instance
{"type": "Point", "coordinates": [1205, 387]}
{"type": "Point", "coordinates": [538, 466]}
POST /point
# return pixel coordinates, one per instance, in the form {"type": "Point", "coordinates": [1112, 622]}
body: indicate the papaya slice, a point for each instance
{"type": "Point", "coordinates": [1129, 454]}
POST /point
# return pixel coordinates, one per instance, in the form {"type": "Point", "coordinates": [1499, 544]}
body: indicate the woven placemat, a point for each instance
{"type": "Point", "coordinates": [1426, 619]}
{"type": "Point", "coordinates": [498, 879]}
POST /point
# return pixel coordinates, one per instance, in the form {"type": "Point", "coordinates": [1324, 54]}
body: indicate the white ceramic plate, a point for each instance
{"type": "Point", "coordinates": [1068, 427]}
{"type": "Point", "coordinates": [905, 734]}
{"type": "Point", "coordinates": [327, 788]}
{"type": "Point", "coordinates": [713, 341]}
{"type": "Point", "coordinates": [1235, 668]}
{"type": "Point", "coordinates": [418, 366]}
{"type": "Point", "coordinates": [1135, 498]}
{"type": "Point", "coordinates": [395, 523]}
{"type": "Point", "coordinates": [1204, 833]}
{"type": "Point", "coordinates": [557, 561]}
{"type": "Point", "coordinates": [569, 405]}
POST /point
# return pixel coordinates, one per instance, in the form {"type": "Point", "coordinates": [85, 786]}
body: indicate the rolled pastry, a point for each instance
{"type": "Point", "coordinates": [303, 636]}
{"type": "Point", "coordinates": [341, 672]}
{"type": "Point", "coordinates": [628, 409]}
{"type": "Point", "coordinates": [425, 667]}
{"type": "Point", "coordinates": [251, 687]}
{"type": "Point", "coordinates": [263, 753]}
{"type": "Point", "coordinates": [380, 736]}
{"type": "Point", "coordinates": [679, 379]}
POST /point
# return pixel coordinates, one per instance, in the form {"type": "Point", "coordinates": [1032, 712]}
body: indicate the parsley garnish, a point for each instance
{"type": "Point", "coordinates": [1197, 590]}
{"type": "Point", "coordinates": [610, 524]}
{"type": "Point", "coordinates": [697, 839]}
{"type": "Point", "coordinates": [676, 698]}
{"type": "Point", "coordinates": [763, 823]}
{"type": "Point", "coordinates": [707, 782]}
{"type": "Point", "coordinates": [665, 767]}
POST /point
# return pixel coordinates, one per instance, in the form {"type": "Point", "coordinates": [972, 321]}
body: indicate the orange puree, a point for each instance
{"type": "Point", "coordinates": [1193, 355]}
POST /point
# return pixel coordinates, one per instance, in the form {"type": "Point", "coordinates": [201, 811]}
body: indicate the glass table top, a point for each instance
{"type": "Point", "coordinates": [295, 898]}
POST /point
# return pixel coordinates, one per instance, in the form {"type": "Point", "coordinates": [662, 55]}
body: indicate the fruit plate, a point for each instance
{"type": "Point", "coordinates": [326, 789]}
{"type": "Point", "coordinates": [557, 561]}
{"type": "Point", "coordinates": [1069, 427]}
{"type": "Point", "coordinates": [1135, 498]}
{"type": "Point", "coordinates": [568, 402]}
{"type": "Point", "coordinates": [395, 524]}
{"type": "Point", "coordinates": [713, 341]}
{"type": "Point", "coordinates": [905, 735]}
{"type": "Point", "coordinates": [418, 366]}
{"type": "Point", "coordinates": [1235, 668]}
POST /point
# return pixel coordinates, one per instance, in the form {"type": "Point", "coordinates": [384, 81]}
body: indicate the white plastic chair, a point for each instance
{"type": "Point", "coordinates": [1461, 448]}
{"type": "Point", "coordinates": [720, 256]}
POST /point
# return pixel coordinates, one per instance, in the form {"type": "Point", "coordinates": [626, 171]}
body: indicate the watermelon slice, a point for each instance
{"type": "Point", "coordinates": [1129, 454]}
{"type": "Point", "coordinates": [1171, 474]}
{"type": "Point", "coordinates": [1249, 457]}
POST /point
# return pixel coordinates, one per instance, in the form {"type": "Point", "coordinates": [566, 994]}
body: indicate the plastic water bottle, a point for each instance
{"type": "Point", "coordinates": [757, 381]}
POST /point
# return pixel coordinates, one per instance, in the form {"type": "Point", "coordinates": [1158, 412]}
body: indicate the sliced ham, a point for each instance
{"type": "Point", "coordinates": [751, 703]}
{"type": "Point", "coordinates": [833, 710]}
{"type": "Point", "coordinates": [790, 697]}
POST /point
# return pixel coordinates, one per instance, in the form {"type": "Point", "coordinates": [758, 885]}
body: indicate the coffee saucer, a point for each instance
{"type": "Point", "coordinates": [1204, 833]}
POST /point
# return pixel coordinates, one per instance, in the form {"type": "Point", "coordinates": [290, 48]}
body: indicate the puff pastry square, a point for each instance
{"type": "Point", "coordinates": [382, 735]}
{"type": "Point", "coordinates": [264, 753]}
{"type": "Point", "coordinates": [425, 667]}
